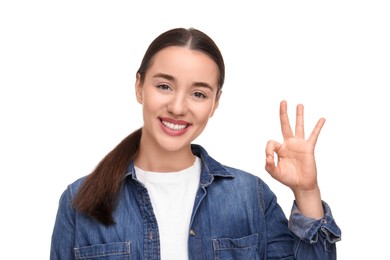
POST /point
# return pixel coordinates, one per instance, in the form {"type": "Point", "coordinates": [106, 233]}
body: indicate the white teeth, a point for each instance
{"type": "Point", "coordinates": [173, 126]}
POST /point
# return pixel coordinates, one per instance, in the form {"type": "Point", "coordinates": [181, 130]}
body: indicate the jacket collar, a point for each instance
{"type": "Point", "coordinates": [210, 167]}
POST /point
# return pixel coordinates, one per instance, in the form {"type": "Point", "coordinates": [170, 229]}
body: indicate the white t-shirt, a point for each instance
{"type": "Point", "coordinates": [172, 195]}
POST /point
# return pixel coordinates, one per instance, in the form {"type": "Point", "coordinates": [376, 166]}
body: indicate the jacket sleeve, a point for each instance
{"type": "Point", "coordinates": [316, 238]}
{"type": "Point", "coordinates": [62, 240]}
{"type": "Point", "coordinates": [300, 238]}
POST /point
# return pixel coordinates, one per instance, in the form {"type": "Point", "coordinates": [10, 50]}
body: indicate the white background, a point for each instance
{"type": "Point", "coordinates": [67, 71]}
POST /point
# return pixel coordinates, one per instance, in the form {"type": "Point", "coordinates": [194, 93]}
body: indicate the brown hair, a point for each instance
{"type": "Point", "coordinates": [98, 195]}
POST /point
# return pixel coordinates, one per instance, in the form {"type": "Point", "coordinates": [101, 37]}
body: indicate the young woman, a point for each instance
{"type": "Point", "coordinates": [158, 196]}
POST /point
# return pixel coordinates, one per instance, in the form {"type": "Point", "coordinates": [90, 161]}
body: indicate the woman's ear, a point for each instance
{"type": "Point", "coordinates": [216, 102]}
{"type": "Point", "coordinates": [138, 88]}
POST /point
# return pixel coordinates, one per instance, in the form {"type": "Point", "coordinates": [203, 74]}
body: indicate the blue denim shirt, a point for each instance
{"type": "Point", "coordinates": [235, 216]}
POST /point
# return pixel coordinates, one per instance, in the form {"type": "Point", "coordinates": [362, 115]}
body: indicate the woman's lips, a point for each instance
{"type": "Point", "coordinates": [174, 127]}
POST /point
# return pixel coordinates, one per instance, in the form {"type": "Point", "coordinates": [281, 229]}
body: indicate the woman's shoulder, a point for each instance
{"type": "Point", "coordinates": [241, 174]}
{"type": "Point", "coordinates": [247, 180]}
{"type": "Point", "coordinates": [218, 168]}
{"type": "Point", "coordinates": [74, 186]}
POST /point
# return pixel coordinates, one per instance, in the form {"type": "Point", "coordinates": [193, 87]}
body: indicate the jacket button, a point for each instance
{"type": "Point", "coordinates": [192, 232]}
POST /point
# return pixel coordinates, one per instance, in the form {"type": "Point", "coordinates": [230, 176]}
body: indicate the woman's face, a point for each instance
{"type": "Point", "coordinates": [178, 95]}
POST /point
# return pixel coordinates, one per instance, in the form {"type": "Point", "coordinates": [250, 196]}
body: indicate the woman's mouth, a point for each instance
{"type": "Point", "coordinates": [174, 127]}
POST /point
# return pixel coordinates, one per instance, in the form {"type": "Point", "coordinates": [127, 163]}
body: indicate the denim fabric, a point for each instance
{"type": "Point", "coordinates": [235, 216]}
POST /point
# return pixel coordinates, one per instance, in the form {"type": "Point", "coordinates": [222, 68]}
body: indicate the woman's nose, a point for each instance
{"type": "Point", "coordinates": [178, 105]}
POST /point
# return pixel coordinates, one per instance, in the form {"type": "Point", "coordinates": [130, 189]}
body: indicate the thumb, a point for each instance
{"type": "Point", "coordinates": [270, 149]}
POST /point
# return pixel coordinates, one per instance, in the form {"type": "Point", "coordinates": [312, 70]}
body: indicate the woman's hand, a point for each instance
{"type": "Point", "coordinates": [296, 166]}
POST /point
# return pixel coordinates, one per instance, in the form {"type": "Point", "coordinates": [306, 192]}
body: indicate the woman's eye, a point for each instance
{"type": "Point", "coordinates": [199, 95]}
{"type": "Point", "coordinates": [163, 87]}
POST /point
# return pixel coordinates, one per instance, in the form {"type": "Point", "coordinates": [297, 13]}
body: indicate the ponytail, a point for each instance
{"type": "Point", "coordinates": [98, 195]}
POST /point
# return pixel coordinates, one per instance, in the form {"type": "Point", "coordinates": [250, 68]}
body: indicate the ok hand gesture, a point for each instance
{"type": "Point", "coordinates": [296, 166]}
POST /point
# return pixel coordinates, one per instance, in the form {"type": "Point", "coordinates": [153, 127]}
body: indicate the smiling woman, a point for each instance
{"type": "Point", "coordinates": [179, 95]}
{"type": "Point", "coordinates": [159, 196]}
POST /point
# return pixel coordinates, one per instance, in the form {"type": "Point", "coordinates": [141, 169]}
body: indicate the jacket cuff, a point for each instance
{"type": "Point", "coordinates": [308, 229]}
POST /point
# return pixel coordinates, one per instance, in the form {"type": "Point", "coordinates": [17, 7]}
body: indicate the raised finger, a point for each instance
{"type": "Point", "coordinates": [316, 131]}
{"type": "Point", "coordinates": [299, 123]}
{"type": "Point", "coordinates": [284, 121]}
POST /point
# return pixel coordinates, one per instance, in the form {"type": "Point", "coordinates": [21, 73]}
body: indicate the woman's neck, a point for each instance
{"type": "Point", "coordinates": [159, 160]}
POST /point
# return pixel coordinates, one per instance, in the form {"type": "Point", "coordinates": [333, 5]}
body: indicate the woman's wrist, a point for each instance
{"type": "Point", "coordinates": [309, 203]}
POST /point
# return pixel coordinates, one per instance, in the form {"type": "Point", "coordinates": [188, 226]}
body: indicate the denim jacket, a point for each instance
{"type": "Point", "coordinates": [235, 216]}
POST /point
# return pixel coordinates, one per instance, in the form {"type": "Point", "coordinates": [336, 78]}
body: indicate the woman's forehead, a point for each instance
{"type": "Point", "coordinates": [182, 61]}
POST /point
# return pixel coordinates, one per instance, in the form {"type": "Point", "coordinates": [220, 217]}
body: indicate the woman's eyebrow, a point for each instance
{"type": "Point", "coordinates": [164, 76]}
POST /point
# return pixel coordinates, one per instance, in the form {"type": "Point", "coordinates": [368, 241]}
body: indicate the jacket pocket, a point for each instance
{"type": "Point", "coordinates": [237, 248]}
{"type": "Point", "coordinates": [109, 251]}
